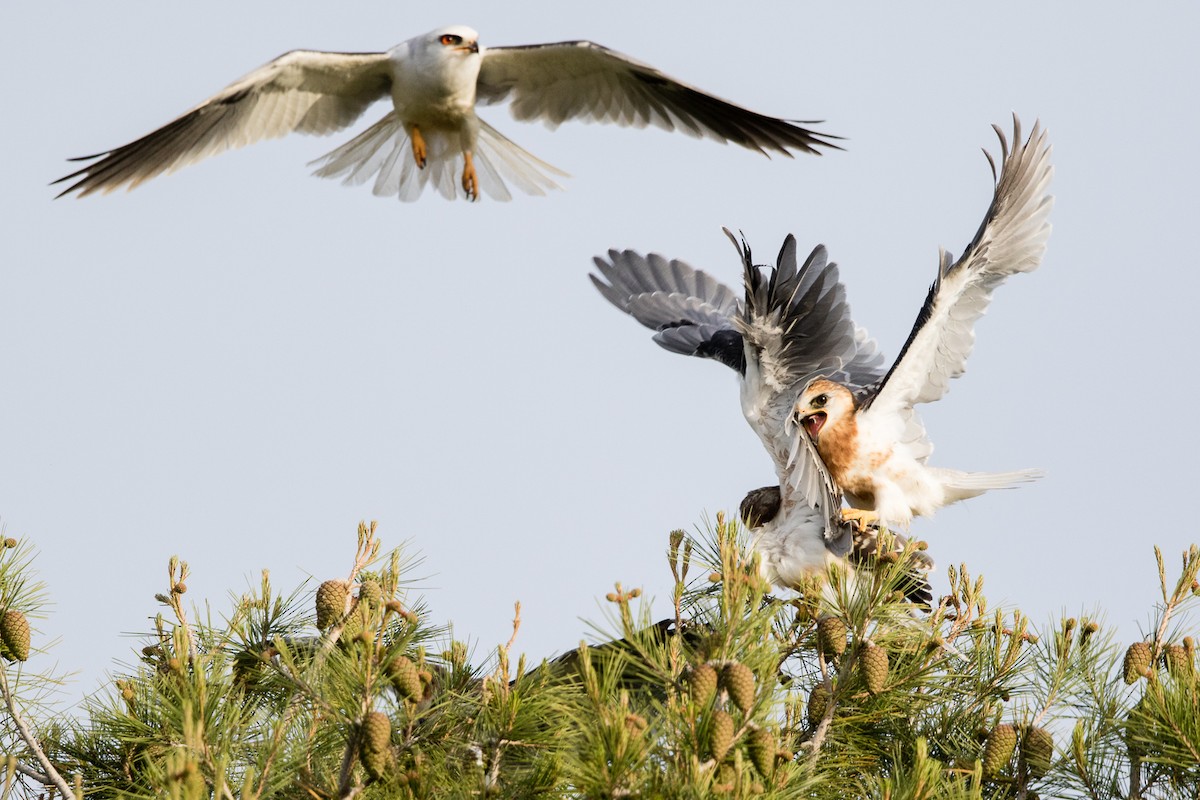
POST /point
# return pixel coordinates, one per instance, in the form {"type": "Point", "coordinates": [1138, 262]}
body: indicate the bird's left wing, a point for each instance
{"type": "Point", "coordinates": [1011, 239]}
{"type": "Point", "coordinates": [691, 312]}
{"type": "Point", "coordinates": [304, 91]}
{"type": "Point", "coordinates": [583, 80]}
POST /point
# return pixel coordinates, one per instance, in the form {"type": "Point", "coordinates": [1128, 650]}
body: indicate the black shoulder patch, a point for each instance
{"type": "Point", "coordinates": [725, 346]}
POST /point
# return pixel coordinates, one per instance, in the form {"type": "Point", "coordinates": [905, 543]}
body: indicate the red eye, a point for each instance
{"type": "Point", "coordinates": [449, 39]}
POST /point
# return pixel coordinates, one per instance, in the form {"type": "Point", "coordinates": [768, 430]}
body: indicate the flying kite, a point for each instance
{"type": "Point", "coordinates": [793, 324]}
{"type": "Point", "coordinates": [871, 444]}
{"type": "Point", "coordinates": [432, 133]}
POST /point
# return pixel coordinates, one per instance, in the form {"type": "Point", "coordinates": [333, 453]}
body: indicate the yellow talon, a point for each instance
{"type": "Point", "coordinates": [470, 181]}
{"type": "Point", "coordinates": [420, 152]}
{"type": "Point", "coordinates": [862, 516]}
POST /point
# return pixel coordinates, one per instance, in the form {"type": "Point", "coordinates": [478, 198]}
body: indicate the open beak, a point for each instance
{"type": "Point", "coordinates": [813, 423]}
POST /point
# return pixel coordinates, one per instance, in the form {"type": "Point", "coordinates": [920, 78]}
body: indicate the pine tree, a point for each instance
{"type": "Point", "coordinates": [741, 693]}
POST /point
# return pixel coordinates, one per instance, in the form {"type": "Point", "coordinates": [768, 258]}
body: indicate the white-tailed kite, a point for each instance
{"type": "Point", "coordinates": [872, 444]}
{"type": "Point", "coordinates": [761, 506]}
{"type": "Point", "coordinates": [793, 324]}
{"type": "Point", "coordinates": [432, 134]}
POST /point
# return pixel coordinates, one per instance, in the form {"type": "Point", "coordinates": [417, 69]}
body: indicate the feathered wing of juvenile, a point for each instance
{"type": "Point", "coordinates": [1011, 239]}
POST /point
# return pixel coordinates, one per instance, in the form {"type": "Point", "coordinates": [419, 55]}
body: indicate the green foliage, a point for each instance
{"type": "Point", "coordinates": [739, 694]}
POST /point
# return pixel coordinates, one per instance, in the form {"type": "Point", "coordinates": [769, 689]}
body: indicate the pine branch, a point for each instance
{"type": "Point", "coordinates": [55, 779]}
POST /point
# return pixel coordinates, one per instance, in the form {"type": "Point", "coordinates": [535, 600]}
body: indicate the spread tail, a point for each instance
{"type": "Point", "coordinates": [382, 152]}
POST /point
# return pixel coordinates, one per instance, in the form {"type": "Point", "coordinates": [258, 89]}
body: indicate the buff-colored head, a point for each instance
{"type": "Point", "coordinates": [823, 403]}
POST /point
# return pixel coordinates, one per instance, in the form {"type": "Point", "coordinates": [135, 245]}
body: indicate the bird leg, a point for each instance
{"type": "Point", "coordinates": [420, 152]}
{"type": "Point", "coordinates": [862, 516]}
{"type": "Point", "coordinates": [470, 180]}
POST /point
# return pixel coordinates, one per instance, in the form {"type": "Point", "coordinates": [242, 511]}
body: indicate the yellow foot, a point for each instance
{"type": "Point", "coordinates": [470, 181]}
{"type": "Point", "coordinates": [862, 516]}
{"type": "Point", "coordinates": [420, 152]}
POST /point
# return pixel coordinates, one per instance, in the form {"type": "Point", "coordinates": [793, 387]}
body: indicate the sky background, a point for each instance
{"type": "Point", "coordinates": [238, 362]}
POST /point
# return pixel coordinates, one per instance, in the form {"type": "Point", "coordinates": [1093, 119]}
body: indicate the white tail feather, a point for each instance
{"type": "Point", "coordinates": [963, 485]}
{"type": "Point", "coordinates": [383, 152]}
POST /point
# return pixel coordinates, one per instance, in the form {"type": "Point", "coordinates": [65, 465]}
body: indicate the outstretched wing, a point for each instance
{"type": "Point", "coordinates": [692, 313]}
{"type": "Point", "coordinates": [583, 80]}
{"type": "Point", "coordinates": [1011, 239]}
{"type": "Point", "coordinates": [798, 323]}
{"type": "Point", "coordinates": [303, 91]}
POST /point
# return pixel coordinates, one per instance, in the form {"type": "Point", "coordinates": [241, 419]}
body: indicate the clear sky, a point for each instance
{"type": "Point", "coordinates": [238, 362]}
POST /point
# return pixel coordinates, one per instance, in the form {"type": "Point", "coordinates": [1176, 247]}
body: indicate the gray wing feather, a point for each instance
{"type": "Point", "coordinates": [1011, 239]}
{"type": "Point", "coordinates": [583, 80]}
{"type": "Point", "coordinates": [302, 91]}
{"type": "Point", "coordinates": [691, 312]}
{"type": "Point", "coordinates": [798, 320]}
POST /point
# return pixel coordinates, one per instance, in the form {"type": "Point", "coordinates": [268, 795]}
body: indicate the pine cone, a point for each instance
{"type": "Point", "coordinates": [355, 623]}
{"type": "Point", "coordinates": [873, 666]}
{"type": "Point", "coordinates": [818, 702]}
{"type": "Point", "coordinates": [372, 592]}
{"type": "Point", "coordinates": [739, 682]}
{"type": "Point", "coordinates": [720, 735]}
{"type": "Point", "coordinates": [331, 603]}
{"type": "Point", "coordinates": [14, 634]}
{"type": "Point", "coordinates": [406, 678]}
{"type": "Point", "coordinates": [831, 636]}
{"type": "Point", "coordinates": [376, 750]}
{"type": "Point", "coordinates": [761, 748]}
{"type": "Point", "coordinates": [1037, 749]}
{"type": "Point", "coordinates": [702, 681]}
{"type": "Point", "coordinates": [998, 750]}
{"type": "Point", "coordinates": [1177, 660]}
{"type": "Point", "coordinates": [1137, 661]}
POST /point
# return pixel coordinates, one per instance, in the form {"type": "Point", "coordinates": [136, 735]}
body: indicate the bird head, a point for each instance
{"type": "Point", "coordinates": [457, 38]}
{"type": "Point", "coordinates": [821, 403]}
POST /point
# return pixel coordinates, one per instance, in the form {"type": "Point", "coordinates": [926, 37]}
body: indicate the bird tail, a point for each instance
{"type": "Point", "coordinates": [498, 158]}
{"type": "Point", "coordinates": [382, 152]}
{"type": "Point", "coordinates": [962, 485]}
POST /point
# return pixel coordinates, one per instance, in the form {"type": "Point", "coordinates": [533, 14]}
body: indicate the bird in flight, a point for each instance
{"type": "Point", "coordinates": [871, 444]}
{"type": "Point", "coordinates": [432, 136]}
{"type": "Point", "coordinates": [792, 324]}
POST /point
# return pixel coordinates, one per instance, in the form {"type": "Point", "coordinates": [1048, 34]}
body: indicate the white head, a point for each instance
{"type": "Point", "coordinates": [822, 403]}
{"type": "Point", "coordinates": [454, 38]}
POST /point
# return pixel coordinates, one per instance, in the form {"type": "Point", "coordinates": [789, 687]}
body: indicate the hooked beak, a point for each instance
{"type": "Point", "coordinates": [813, 423]}
{"type": "Point", "coordinates": [473, 47]}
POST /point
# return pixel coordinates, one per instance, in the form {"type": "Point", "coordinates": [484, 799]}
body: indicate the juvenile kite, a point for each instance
{"type": "Point", "coordinates": [794, 324]}
{"type": "Point", "coordinates": [871, 443]}
{"type": "Point", "coordinates": [432, 134]}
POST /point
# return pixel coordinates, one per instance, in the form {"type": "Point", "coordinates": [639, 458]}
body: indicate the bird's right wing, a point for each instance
{"type": "Point", "coordinates": [692, 312]}
{"type": "Point", "coordinates": [303, 91]}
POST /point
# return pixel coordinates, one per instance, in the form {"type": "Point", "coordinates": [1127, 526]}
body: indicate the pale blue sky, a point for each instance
{"type": "Point", "coordinates": [238, 362]}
